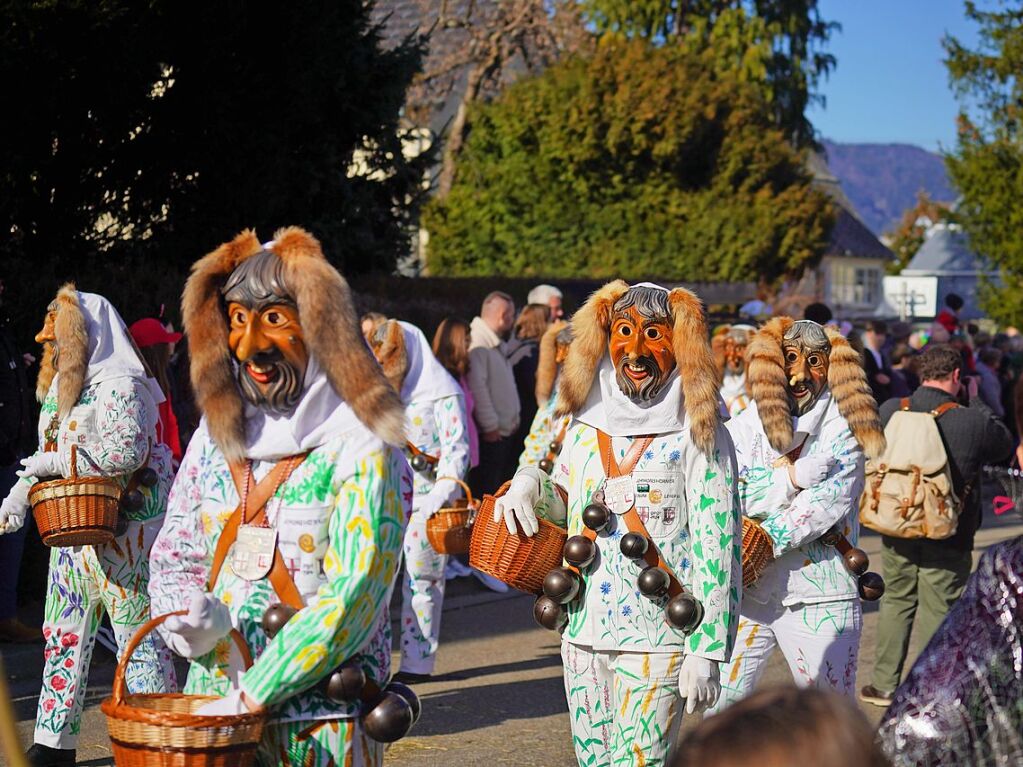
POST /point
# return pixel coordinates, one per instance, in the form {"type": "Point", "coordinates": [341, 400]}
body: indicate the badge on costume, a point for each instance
{"type": "Point", "coordinates": [253, 553]}
{"type": "Point", "coordinates": [619, 494]}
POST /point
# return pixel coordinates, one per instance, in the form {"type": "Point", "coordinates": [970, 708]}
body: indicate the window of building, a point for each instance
{"type": "Point", "coordinates": [859, 285]}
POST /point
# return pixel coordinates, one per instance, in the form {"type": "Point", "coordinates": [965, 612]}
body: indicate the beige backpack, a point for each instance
{"type": "Point", "coordinates": [909, 492]}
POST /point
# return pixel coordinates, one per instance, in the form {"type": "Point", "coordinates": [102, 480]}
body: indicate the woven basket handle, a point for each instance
{"type": "Point", "coordinates": [465, 489]}
{"type": "Point", "coordinates": [74, 462]}
{"type": "Point", "coordinates": [121, 686]}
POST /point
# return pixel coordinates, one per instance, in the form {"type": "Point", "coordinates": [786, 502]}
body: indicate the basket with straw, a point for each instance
{"type": "Point", "coordinates": [80, 511]}
{"type": "Point", "coordinates": [519, 560]}
{"type": "Point", "coordinates": [757, 551]}
{"type": "Point", "coordinates": [450, 529]}
{"type": "Point", "coordinates": [163, 729]}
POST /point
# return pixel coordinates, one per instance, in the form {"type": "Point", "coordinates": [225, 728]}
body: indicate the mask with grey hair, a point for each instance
{"type": "Point", "coordinates": [806, 349]}
{"type": "Point", "coordinates": [258, 282]}
{"type": "Point", "coordinates": [640, 343]}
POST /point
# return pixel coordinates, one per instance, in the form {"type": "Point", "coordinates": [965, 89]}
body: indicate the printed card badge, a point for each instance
{"type": "Point", "coordinates": [253, 553]}
{"type": "Point", "coordinates": [620, 494]}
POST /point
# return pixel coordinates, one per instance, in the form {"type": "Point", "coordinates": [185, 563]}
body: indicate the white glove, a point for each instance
{"type": "Point", "coordinates": [195, 634]}
{"type": "Point", "coordinates": [518, 503]}
{"type": "Point", "coordinates": [812, 469]}
{"type": "Point", "coordinates": [427, 505]}
{"type": "Point", "coordinates": [699, 682]}
{"type": "Point", "coordinates": [12, 512]}
{"type": "Point", "coordinates": [230, 704]}
{"type": "Point", "coordinates": [42, 466]}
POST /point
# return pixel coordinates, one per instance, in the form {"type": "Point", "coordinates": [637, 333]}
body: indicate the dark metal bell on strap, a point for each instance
{"type": "Point", "coordinates": [554, 447]}
{"type": "Point", "coordinates": [870, 586]}
{"type": "Point", "coordinates": [410, 696]}
{"type": "Point", "coordinates": [653, 582]}
{"type": "Point", "coordinates": [419, 462]}
{"type": "Point", "coordinates": [684, 612]}
{"type": "Point", "coordinates": [274, 618]}
{"type": "Point", "coordinates": [148, 477]}
{"type": "Point", "coordinates": [561, 585]}
{"type": "Point", "coordinates": [579, 551]}
{"type": "Point", "coordinates": [634, 545]}
{"type": "Point", "coordinates": [549, 613]}
{"type": "Point", "coordinates": [596, 516]}
{"type": "Point", "coordinates": [345, 683]}
{"type": "Point", "coordinates": [546, 465]}
{"type": "Point", "coordinates": [389, 719]}
{"type": "Point", "coordinates": [132, 500]}
{"type": "Point", "coordinates": [857, 561]}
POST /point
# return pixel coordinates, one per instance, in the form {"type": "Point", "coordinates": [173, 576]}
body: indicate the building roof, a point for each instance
{"type": "Point", "coordinates": [850, 237]}
{"type": "Point", "coordinates": [946, 251]}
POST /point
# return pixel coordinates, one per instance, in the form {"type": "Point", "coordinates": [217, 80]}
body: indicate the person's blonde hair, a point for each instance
{"type": "Point", "coordinates": [532, 322]}
{"type": "Point", "coordinates": [780, 727]}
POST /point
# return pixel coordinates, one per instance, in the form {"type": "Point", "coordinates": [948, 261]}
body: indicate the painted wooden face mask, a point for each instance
{"type": "Point", "coordinates": [806, 350]}
{"type": "Point", "coordinates": [640, 343]}
{"type": "Point", "coordinates": [265, 335]}
{"type": "Point", "coordinates": [47, 337]}
{"type": "Point", "coordinates": [734, 350]}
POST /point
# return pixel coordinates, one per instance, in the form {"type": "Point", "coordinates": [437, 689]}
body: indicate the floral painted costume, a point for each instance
{"type": "Point", "coordinates": [108, 426]}
{"type": "Point", "coordinates": [340, 518]}
{"type": "Point", "coordinates": [437, 428]}
{"type": "Point", "coordinates": [546, 428]}
{"type": "Point", "coordinates": [621, 657]}
{"type": "Point", "coordinates": [805, 601]}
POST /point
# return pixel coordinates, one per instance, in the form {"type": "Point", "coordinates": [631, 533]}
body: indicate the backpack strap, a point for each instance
{"type": "Point", "coordinates": [904, 403]}
{"type": "Point", "coordinates": [943, 408]}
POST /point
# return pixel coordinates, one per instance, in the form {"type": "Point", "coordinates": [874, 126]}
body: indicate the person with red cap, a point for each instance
{"type": "Point", "coordinates": [155, 343]}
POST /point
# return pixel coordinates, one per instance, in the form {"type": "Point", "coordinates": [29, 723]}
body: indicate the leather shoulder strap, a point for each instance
{"type": "Point", "coordinates": [431, 459]}
{"type": "Point", "coordinates": [904, 403]}
{"type": "Point", "coordinates": [943, 408]}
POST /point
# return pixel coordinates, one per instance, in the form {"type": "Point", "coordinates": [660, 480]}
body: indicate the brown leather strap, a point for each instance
{"type": "Point", "coordinates": [431, 459]}
{"type": "Point", "coordinates": [904, 403]}
{"type": "Point", "coordinates": [632, 519]}
{"type": "Point", "coordinates": [257, 496]}
{"type": "Point", "coordinates": [943, 408]}
{"type": "Point", "coordinates": [551, 455]}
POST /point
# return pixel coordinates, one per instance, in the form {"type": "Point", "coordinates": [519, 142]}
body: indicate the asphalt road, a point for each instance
{"type": "Point", "coordinates": [497, 696]}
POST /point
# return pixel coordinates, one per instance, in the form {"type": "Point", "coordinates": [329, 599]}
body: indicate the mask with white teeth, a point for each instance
{"type": "Point", "coordinates": [640, 343]}
{"type": "Point", "coordinates": [806, 350]}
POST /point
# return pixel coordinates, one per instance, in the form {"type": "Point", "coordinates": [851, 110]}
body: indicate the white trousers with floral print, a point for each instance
{"type": "Point", "coordinates": [820, 642]}
{"type": "Point", "coordinates": [422, 597]}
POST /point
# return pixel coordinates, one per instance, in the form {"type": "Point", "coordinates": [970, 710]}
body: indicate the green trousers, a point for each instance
{"type": "Point", "coordinates": [923, 581]}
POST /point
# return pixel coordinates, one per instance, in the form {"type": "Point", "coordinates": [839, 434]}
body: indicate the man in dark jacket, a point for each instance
{"type": "Point", "coordinates": [879, 372]}
{"type": "Point", "coordinates": [15, 436]}
{"type": "Point", "coordinates": [931, 574]}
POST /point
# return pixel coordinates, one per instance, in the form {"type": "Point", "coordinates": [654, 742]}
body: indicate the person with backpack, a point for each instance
{"type": "Point", "coordinates": [923, 495]}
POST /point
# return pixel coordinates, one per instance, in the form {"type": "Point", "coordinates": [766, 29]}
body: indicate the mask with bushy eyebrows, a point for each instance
{"type": "Point", "coordinates": [640, 343]}
{"type": "Point", "coordinates": [806, 350]}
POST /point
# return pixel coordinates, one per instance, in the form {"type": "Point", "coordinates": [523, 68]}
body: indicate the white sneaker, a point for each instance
{"type": "Point", "coordinates": [490, 581]}
{"type": "Point", "coordinates": [456, 569]}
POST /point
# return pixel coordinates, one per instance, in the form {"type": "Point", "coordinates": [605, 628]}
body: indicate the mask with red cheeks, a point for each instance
{"type": "Point", "coordinates": [640, 343]}
{"type": "Point", "coordinates": [806, 350]}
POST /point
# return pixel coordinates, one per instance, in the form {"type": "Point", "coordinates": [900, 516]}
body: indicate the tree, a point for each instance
{"type": "Point", "coordinates": [987, 165]}
{"type": "Point", "coordinates": [792, 31]}
{"type": "Point", "coordinates": [147, 133]}
{"type": "Point", "coordinates": [911, 232]}
{"type": "Point", "coordinates": [635, 161]}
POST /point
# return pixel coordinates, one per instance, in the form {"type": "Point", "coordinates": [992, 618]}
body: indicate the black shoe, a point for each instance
{"type": "Point", "coordinates": [407, 677]}
{"type": "Point", "coordinates": [874, 696]}
{"type": "Point", "coordinates": [44, 756]}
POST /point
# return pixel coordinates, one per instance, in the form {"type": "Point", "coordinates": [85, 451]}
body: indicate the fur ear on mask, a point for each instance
{"type": "Point", "coordinates": [72, 348]}
{"type": "Point", "coordinates": [590, 331]}
{"type": "Point", "coordinates": [205, 324]}
{"type": "Point", "coordinates": [767, 384]}
{"type": "Point", "coordinates": [46, 373]}
{"type": "Point", "coordinates": [388, 346]}
{"type": "Point", "coordinates": [851, 390]}
{"type": "Point", "coordinates": [547, 365]}
{"type": "Point", "coordinates": [333, 334]}
{"type": "Point", "coordinates": [696, 367]}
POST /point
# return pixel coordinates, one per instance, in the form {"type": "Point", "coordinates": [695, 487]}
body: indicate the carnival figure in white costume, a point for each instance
{"type": "Point", "coordinates": [646, 477]}
{"type": "Point", "coordinates": [438, 449]}
{"type": "Point", "coordinates": [548, 430]}
{"type": "Point", "coordinates": [98, 398]}
{"type": "Point", "coordinates": [729, 346]}
{"type": "Point", "coordinates": [287, 515]}
{"type": "Point", "coordinates": [800, 449]}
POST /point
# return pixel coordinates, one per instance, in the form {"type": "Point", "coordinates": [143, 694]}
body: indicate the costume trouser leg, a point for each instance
{"type": "Point", "coordinates": [82, 584]}
{"type": "Point", "coordinates": [422, 599]}
{"type": "Point", "coordinates": [338, 742]}
{"type": "Point", "coordinates": [917, 575]}
{"type": "Point", "coordinates": [820, 643]}
{"type": "Point", "coordinates": [622, 705]}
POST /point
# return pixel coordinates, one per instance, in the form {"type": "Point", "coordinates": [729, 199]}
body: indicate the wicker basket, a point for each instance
{"type": "Point", "coordinates": [162, 729]}
{"type": "Point", "coordinates": [757, 551]}
{"type": "Point", "coordinates": [450, 528]}
{"type": "Point", "coordinates": [518, 560]}
{"type": "Point", "coordinates": [80, 511]}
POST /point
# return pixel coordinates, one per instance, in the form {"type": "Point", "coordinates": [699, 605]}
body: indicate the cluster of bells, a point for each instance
{"type": "Point", "coordinates": [683, 612]}
{"type": "Point", "coordinates": [387, 716]}
{"type": "Point", "coordinates": [132, 500]}
{"type": "Point", "coordinates": [419, 462]}
{"type": "Point", "coordinates": [869, 584]}
{"type": "Point", "coordinates": [546, 463]}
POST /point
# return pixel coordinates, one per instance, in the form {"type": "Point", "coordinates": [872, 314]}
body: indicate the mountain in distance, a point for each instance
{"type": "Point", "coordinates": [882, 180]}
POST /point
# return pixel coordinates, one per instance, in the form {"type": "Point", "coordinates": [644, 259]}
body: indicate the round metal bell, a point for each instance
{"type": "Point", "coordinates": [274, 618]}
{"type": "Point", "coordinates": [409, 695]}
{"type": "Point", "coordinates": [684, 612]}
{"type": "Point", "coordinates": [561, 585]}
{"type": "Point", "coordinates": [148, 477]}
{"type": "Point", "coordinates": [857, 561]}
{"type": "Point", "coordinates": [122, 525]}
{"type": "Point", "coordinates": [579, 551]}
{"type": "Point", "coordinates": [132, 500]}
{"type": "Point", "coordinates": [549, 613]}
{"type": "Point", "coordinates": [596, 516]}
{"type": "Point", "coordinates": [389, 719]}
{"type": "Point", "coordinates": [554, 447]}
{"type": "Point", "coordinates": [653, 582]}
{"type": "Point", "coordinates": [871, 586]}
{"type": "Point", "coordinates": [419, 462]}
{"type": "Point", "coordinates": [344, 684]}
{"type": "Point", "coordinates": [634, 545]}
{"type": "Point", "coordinates": [831, 537]}
{"type": "Point", "coordinates": [546, 465]}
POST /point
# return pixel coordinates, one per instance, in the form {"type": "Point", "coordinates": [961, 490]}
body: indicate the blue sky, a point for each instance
{"type": "Point", "coordinates": [890, 84]}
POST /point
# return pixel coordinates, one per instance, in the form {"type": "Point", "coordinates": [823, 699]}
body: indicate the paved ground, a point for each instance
{"type": "Point", "coordinates": [497, 698]}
